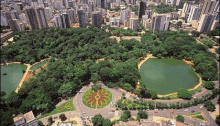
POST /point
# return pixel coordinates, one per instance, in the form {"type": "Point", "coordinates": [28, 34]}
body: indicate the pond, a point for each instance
{"type": "Point", "coordinates": [167, 75]}
{"type": "Point", "coordinates": [38, 65]}
{"type": "Point", "coordinates": [10, 76]}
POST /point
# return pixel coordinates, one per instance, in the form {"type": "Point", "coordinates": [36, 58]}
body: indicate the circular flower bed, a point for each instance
{"type": "Point", "coordinates": [97, 99]}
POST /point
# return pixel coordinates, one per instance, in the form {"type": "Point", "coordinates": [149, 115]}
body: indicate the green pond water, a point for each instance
{"type": "Point", "coordinates": [14, 74]}
{"type": "Point", "coordinates": [168, 75]}
{"type": "Point", "coordinates": [38, 65]}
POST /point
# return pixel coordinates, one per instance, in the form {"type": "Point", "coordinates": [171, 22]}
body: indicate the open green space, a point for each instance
{"type": "Point", "coordinates": [197, 115]}
{"type": "Point", "coordinates": [97, 99]}
{"type": "Point", "coordinates": [168, 75]}
{"type": "Point", "coordinates": [67, 106]}
{"type": "Point", "coordinates": [38, 65]}
{"type": "Point", "coordinates": [10, 76]}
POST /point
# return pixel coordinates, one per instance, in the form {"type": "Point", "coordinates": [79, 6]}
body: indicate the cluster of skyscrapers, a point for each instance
{"type": "Point", "coordinates": [205, 14]}
{"type": "Point", "coordinates": [38, 14]}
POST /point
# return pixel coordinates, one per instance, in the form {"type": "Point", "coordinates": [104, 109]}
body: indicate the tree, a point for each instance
{"type": "Point", "coordinates": [179, 23]}
{"type": "Point", "coordinates": [97, 120]}
{"type": "Point", "coordinates": [50, 120]}
{"type": "Point", "coordinates": [153, 94]}
{"type": "Point", "coordinates": [209, 85]}
{"type": "Point", "coordinates": [142, 115]}
{"type": "Point", "coordinates": [107, 122]}
{"type": "Point", "coordinates": [40, 123]}
{"type": "Point", "coordinates": [65, 90]}
{"type": "Point", "coordinates": [62, 117]}
{"type": "Point", "coordinates": [125, 116]}
{"type": "Point", "coordinates": [217, 120]}
{"type": "Point", "coordinates": [210, 106]}
{"type": "Point", "coordinates": [180, 118]}
{"type": "Point", "coordinates": [184, 94]}
{"type": "Point", "coordinates": [96, 87]}
{"type": "Point", "coordinates": [195, 33]}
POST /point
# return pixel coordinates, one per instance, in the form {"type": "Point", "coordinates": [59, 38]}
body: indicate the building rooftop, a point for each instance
{"type": "Point", "coordinates": [20, 116]}
{"type": "Point", "coordinates": [29, 116]}
{"type": "Point", "coordinates": [128, 123]}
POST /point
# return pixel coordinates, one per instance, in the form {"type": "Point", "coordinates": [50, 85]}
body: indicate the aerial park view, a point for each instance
{"type": "Point", "coordinates": [110, 63]}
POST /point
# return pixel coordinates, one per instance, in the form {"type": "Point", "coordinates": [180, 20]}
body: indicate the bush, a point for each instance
{"type": "Point", "coordinates": [141, 115]}
{"type": "Point", "coordinates": [50, 119]}
{"type": "Point", "coordinates": [96, 87]}
{"type": "Point", "coordinates": [180, 118]}
{"type": "Point", "coordinates": [184, 94]}
{"type": "Point", "coordinates": [217, 120]}
{"type": "Point", "coordinates": [153, 94]}
{"type": "Point", "coordinates": [209, 85]}
{"type": "Point", "coordinates": [40, 123]}
{"type": "Point", "coordinates": [62, 117]}
{"type": "Point", "coordinates": [125, 116]}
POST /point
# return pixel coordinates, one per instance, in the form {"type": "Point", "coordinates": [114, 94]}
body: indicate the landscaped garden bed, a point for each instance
{"type": "Point", "coordinates": [97, 99]}
{"type": "Point", "coordinates": [67, 106]}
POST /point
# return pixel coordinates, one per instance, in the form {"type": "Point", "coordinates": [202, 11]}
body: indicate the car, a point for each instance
{"type": "Point", "coordinates": [55, 117]}
{"type": "Point", "coordinates": [202, 124]}
{"type": "Point", "coordinates": [200, 106]}
{"type": "Point", "coordinates": [192, 111]}
{"type": "Point", "coordinates": [81, 117]}
{"type": "Point", "coordinates": [84, 123]}
{"type": "Point", "coordinates": [87, 117]}
{"type": "Point", "coordinates": [84, 112]}
{"type": "Point", "coordinates": [186, 110]}
{"type": "Point", "coordinates": [80, 91]}
{"type": "Point", "coordinates": [155, 109]}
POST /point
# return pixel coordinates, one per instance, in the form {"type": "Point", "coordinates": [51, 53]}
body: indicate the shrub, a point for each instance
{"type": "Point", "coordinates": [180, 118]}
{"type": "Point", "coordinates": [184, 94]}
{"type": "Point", "coordinates": [62, 117]}
{"type": "Point", "coordinates": [209, 85]}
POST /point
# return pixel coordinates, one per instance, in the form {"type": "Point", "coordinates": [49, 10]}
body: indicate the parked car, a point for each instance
{"type": "Point", "coordinates": [201, 106]}
{"type": "Point", "coordinates": [55, 117]}
{"type": "Point", "coordinates": [186, 110]}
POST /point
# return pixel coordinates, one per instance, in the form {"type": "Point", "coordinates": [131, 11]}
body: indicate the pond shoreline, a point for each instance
{"type": "Point", "coordinates": [19, 85]}
{"type": "Point", "coordinates": [190, 63]}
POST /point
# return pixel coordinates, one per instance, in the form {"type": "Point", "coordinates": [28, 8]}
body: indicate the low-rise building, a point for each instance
{"type": "Point", "coordinates": [27, 119]}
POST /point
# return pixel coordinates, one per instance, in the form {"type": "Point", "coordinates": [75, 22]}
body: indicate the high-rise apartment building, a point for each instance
{"type": "Point", "coordinates": [31, 18]}
{"type": "Point", "coordinates": [194, 13]}
{"type": "Point", "coordinates": [72, 14]}
{"type": "Point", "coordinates": [82, 18]}
{"type": "Point", "coordinates": [205, 22]}
{"type": "Point", "coordinates": [103, 4]}
{"type": "Point", "coordinates": [48, 13]}
{"type": "Point", "coordinates": [15, 25]}
{"type": "Point", "coordinates": [97, 19]}
{"type": "Point", "coordinates": [123, 15]}
{"type": "Point", "coordinates": [133, 24]}
{"type": "Point", "coordinates": [41, 18]}
{"type": "Point", "coordinates": [142, 9]}
{"type": "Point", "coordinates": [159, 22]}
{"type": "Point", "coordinates": [208, 7]}
{"type": "Point", "coordinates": [57, 21]}
{"type": "Point", "coordinates": [66, 20]}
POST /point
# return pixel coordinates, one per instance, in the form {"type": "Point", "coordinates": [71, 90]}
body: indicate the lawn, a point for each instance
{"type": "Point", "coordinates": [67, 106]}
{"type": "Point", "coordinates": [197, 115]}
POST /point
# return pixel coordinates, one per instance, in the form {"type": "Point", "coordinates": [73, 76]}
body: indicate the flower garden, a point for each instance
{"type": "Point", "coordinates": [97, 99]}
